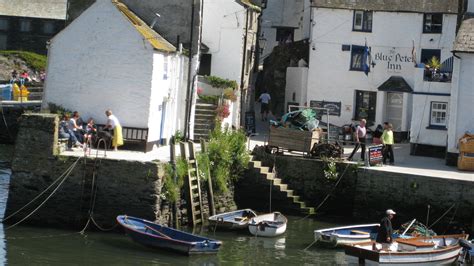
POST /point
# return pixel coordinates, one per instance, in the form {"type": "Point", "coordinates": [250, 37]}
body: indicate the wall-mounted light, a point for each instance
{"type": "Point", "coordinates": [262, 42]}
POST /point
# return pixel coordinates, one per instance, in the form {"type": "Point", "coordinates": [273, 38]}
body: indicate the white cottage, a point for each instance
{"type": "Point", "coordinates": [229, 31]}
{"type": "Point", "coordinates": [379, 87]}
{"type": "Point", "coordinates": [461, 114]}
{"type": "Point", "coordinates": [109, 58]}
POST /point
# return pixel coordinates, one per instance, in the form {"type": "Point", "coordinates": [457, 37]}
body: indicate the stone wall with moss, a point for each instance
{"type": "Point", "coordinates": [123, 187]}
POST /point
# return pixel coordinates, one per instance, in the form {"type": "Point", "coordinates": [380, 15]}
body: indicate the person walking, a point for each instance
{"type": "Point", "coordinates": [264, 100]}
{"type": "Point", "coordinates": [359, 138]}
{"type": "Point", "coordinates": [387, 140]}
{"type": "Point", "coordinates": [113, 124]}
{"type": "Point", "coordinates": [384, 234]}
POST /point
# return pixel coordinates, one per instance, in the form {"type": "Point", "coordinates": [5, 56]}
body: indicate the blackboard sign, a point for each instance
{"type": "Point", "coordinates": [375, 155]}
{"type": "Point", "coordinates": [334, 107]}
{"type": "Point", "coordinates": [250, 122]}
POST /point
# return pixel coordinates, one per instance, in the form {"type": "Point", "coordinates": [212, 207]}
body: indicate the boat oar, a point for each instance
{"type": "Point", "coordinates": [156, 231]}
{"type": "Point", "coordinates": [406, 230]}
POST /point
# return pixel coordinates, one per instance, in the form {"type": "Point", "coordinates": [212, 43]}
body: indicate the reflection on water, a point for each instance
{"type": "Point", "coordinates": [27, 245]}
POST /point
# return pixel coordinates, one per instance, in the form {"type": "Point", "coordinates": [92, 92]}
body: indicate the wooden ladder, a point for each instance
{"type": "Point", "coordinates": [195, 210]}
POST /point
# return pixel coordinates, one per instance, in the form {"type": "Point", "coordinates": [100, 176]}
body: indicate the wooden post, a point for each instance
{"type": "Point", "coordinates": [174, 206]}
{"type": "Point", "coordinates": [210, 192]}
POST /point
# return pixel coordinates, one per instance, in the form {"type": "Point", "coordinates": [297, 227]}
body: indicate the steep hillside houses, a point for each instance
{"type": "Point", "coordinates": [29, 24]}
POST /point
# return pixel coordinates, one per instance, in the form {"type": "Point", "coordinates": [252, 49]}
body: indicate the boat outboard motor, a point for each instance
{"type": "Point", "coordinates": [467, 254]}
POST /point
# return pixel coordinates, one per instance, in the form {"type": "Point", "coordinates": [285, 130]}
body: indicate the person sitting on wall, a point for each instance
{"type": "Point", "coordinates": [90, 136]}
{"type": "Point", "coordinates": [75, 128]}
{"type": "Point", "coordinates": [114, 126]}
{"type": "Point", "coordinates": [359, 138]}
{"type": "Point", "coordinates": [66, 133]}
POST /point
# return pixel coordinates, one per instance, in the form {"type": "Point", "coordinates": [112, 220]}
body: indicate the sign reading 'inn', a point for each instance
{"type": "Point", "coordinates": [393, 60]}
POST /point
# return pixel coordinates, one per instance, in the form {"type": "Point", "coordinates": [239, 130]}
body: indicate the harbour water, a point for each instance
{"type": "Point", "coordinates": [23, 245]}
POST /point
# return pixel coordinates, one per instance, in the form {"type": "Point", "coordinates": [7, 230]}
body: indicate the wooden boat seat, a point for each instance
{"type": "Point", "coordinates": [415, 243]}
{"type": "Point", "coordinates": [357, 232]}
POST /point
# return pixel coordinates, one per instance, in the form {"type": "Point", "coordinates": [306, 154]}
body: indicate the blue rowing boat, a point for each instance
{"type": "Point", "coordinates": [154, 235]}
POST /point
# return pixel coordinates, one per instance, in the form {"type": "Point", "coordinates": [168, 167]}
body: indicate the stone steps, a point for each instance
{"type": "Point", "coordinates": [204, 120]}
{"type": "Point", "coordinates": [294, 201]}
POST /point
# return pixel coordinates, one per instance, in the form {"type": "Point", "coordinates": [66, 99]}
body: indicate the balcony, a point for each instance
{"type": "Point", "coordinates": [439, 72]}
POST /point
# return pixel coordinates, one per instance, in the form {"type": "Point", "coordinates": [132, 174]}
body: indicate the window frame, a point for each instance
{"type": "Point", "coordinates": [351, 67]}
{"type": "Point", "coordinates": [364, 26]}
{"type": "Point", "coordinates": [440, 25]}
{"type": "Point", "coordinates": [429, 51]}
{"type": "Point", "coordinates": [7, 24]}
{"type": "Point", "coordinates": [435, 125]}
{"type": "Point", "coordinates": [372, 101]}
{"type": "Point", "coordinates": [50, 30]}
{"type": "Point", "coordinates": [28, 22]}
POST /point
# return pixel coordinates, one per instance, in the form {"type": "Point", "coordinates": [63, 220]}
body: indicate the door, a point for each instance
{"type": "Point", "coordinates": [365, 106]}
{"type": "Point", "coordinates": [394, 110]}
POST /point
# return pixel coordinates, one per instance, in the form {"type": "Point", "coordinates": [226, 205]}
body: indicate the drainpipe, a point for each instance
{"type": "Point", "coordinates": [244, 59]}
{"type": "Point", "coordinates": [187, 119]}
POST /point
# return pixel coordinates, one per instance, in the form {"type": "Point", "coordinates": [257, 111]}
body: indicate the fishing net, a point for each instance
{"type": "Point", "coordinates": [417, 229]}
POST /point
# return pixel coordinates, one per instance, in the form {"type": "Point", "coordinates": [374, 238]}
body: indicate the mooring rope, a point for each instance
{"type": "Point", "coordinates": [444, 214]}
{"type": "Point", "coordinates": [67, 172]}
{"type": "Point", "coordinates": [42, 203]}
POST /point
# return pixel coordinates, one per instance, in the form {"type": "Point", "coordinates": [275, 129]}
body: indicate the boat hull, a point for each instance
{"type": "Point", "coordinates": [268, 225]}
{"type": "Point", "coordinates": [339, 236]}
{"type": "Point", "coordinates": [236, 220]}
{"type": "Point", "coordinates": [153, 235]}
{"type": "Point", "coordinates": [439, 250]}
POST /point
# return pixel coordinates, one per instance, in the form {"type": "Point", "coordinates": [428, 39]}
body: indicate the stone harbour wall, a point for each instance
{"type": "Point", "coordinates": [364, 194]}
{"type": "Point", "coordinates": [123, 187]}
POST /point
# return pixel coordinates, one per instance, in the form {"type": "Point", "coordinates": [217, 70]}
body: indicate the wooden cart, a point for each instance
{"type": "Point", "coordinates": [293, 139]}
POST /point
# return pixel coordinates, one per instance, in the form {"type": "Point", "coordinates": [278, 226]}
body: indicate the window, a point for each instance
{"type": "Point", "coordinates": [284, 35]}
{"type": "Point", "coordinates": [428, 54]}
{"type": "Point", "coordinates": [25, 25]}
{"type": "Point", "coordinates": [248, 62]}
{"type": "Point", "coordinates": [432, 23]}
{"type": "Point", "coordinates": [48, 27]}
{"type": "Point", "coordinates": [205, 65]}
{"type": "Point", "coordinates": [362, 21]}
{"type": "Point", "coordinates": [439, 111]}
{"type": "Point", "coordinates": [366, 103]}
{"type": "Point", "coordinates": [357, 58]}
{"type": "Point", "coordinates": [4, 24]}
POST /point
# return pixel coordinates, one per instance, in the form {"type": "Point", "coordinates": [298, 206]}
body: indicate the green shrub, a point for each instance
{"type": "Point", "coordinates": [59, 110]}
{"type": "Point", "coordinates": [213, 99]}
{"type": "Point", "coordinates": [228, 156]}
{"type": "Point", "coordinates": [33, 60]}
{"type": "Point", "coordinates": [171, 188]}
{"type": "Point", "coordinates": [217, 82]}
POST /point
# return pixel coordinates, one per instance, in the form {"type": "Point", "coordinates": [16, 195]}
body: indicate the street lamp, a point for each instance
{"type": "Point", "coordinates": [262, 42]}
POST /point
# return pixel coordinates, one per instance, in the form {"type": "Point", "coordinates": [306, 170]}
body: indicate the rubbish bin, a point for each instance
{"type": "Point", "coordinates": [6, 92]}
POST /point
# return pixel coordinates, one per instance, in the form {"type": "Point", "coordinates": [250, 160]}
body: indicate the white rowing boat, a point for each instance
{"type": "Point", "coordinates": [424, 251]}
{"type": "Point", "coordinates": [268, 225]}
{"type": "Point", "coordinates": [232, 220]}
{"type": "Point", "coordinates": [344, 235]}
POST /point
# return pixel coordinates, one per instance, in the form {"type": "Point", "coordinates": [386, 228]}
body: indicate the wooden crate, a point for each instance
{"type": "Point", "coordinates": [466, 162]}
{"type": "Point", "coordinates": [293, 139]}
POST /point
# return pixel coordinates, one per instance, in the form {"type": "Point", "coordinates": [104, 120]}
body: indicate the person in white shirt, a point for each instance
{"type": "Point", "coordinates": [264, 100]}
{"type": "Point", "coordinates": [359, 138]}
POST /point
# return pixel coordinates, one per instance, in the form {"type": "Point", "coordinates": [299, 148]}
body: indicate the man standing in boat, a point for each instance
{"type": "Point", "coordinates": [384, 235]}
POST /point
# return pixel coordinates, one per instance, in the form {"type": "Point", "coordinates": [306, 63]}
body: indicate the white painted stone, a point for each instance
{"type": "Point", "coordinates": [296, 78]}
{"type": "Point", "coordinates": [393, 33]}
{"type": "Point", "coordinates": [101, 61]}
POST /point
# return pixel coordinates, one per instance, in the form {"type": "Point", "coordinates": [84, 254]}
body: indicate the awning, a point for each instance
{"type": "Point", "coordinates": [395, 84]}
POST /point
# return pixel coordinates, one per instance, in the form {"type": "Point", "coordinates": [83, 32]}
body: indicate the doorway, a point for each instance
{"type": "Point", "coordinates": [394, 110]}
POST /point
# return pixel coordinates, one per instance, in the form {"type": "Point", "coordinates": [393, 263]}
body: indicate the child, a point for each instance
{"type": "Point", "coordinates": [91, 131]}
{"type": "Point", "coordinates": [387, 140]}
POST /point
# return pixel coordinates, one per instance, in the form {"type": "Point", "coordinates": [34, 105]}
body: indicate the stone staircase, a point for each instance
{"type": "Point", "coordinates": [36, 93]}
{"type": "Point", "coordinates": [293, 202]}
{"type": "Point", "coordinates": [204, 119]}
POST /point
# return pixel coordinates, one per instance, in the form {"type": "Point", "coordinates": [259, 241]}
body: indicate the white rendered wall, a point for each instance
{"type": "Point", "coordinates": [329, 78]}
{"type": "Point", "coordinates": [98, 62]}
{"type": "Point", "coordinates": [223, 33]}
{"type": "Point", "coordinates": [296, 79]}
{"type": "Point", "coordinates": [462, 97]}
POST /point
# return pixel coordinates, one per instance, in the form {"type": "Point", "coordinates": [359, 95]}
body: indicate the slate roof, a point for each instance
{"type": "Point", "coordinates": [47, 9]}
{"type": "Point", "coordinates": [155, 39]}
{"type": "Point", "coordinates": [396, 84]}
{"type": "Point", "coordinates": [465, 37]}
{"type": "Point", "coordinates": [419, 6]}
